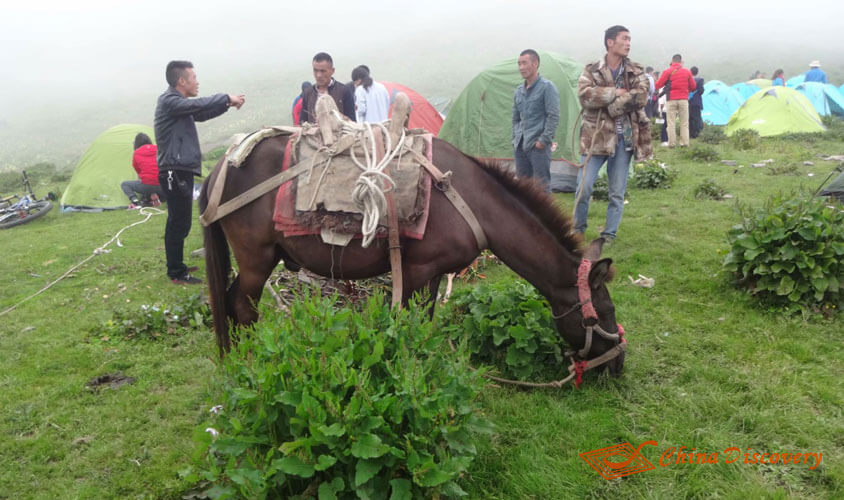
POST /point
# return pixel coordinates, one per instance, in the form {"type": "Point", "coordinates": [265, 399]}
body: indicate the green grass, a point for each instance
{"type": "Point", "coordinates": [707, 368]}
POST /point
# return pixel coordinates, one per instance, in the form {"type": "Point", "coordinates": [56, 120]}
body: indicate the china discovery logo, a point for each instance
{"type": "Point", "coordinates": [619, 460]}
{"type": "Point", "coordinates": [623, 460]}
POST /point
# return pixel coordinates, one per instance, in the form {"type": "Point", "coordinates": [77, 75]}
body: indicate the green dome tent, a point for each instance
{"type": "Point", "coordinates": [776, 111]}
{"type": "Point", "coordinates": [481, 121]}
{"type": "Point", "coordinates": [107, 162]}
{"type": "Point", "coordinates": [95, 184]}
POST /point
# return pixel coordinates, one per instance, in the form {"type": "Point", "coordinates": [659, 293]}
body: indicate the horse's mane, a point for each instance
{"type": "Point", "coordinates": [539, 202]}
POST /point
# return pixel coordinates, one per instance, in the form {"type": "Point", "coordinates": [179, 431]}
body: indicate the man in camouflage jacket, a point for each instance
{"type": "Point", "coordinates": [613, 93]}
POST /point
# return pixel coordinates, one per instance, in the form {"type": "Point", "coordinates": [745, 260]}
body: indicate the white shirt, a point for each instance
{"type": "Point", "coordinates": [373, 105]}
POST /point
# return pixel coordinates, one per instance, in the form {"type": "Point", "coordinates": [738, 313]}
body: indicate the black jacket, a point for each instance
{"type": "Point", "coordinates": [175, 130]}
{"type": "Point", "coordinates": [343, 97]}
{"type": "Point", "coordinates": [697, 100]}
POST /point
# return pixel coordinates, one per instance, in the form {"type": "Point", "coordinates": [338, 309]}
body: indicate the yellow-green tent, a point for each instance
{"type": "Point", "coordinates": [776, 111]}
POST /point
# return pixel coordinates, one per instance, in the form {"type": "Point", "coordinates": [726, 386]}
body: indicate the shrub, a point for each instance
{"type": "Point", "coordinates": [700, 152]}
{"type": "Point", "coordinates": [508, 325]}
{"type": "Point", "coordinates": [831, 121]}
{"type": "Point", "coordinates": [807, 137]}
{"type": "Point", "coordinates": [790, 253]}
{"type": "Point", "coordinates": [656, 131]}
{"type": "Point", "coordinates": [709, 189]}
{"type": "Point", "coordinates": [11, 181]}
{"type": "Point", "coordinates": [156, 320]}
{"type": "Point", "coordinates": [601, 189]}
{"type": "Point", "coordinates": [745, 139]}
{"type": "Point", "coordinates": [712, 134]}
{"type": "Point", "coordinates": [653, 174]}
{"type": "Point", "coordinates": [787, 169]}
{"type": "Point", "coordinates": [338, 403]}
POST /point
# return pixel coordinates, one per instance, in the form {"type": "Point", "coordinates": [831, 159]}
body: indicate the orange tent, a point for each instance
{"type": "Point", "coordinates": [423, 115]}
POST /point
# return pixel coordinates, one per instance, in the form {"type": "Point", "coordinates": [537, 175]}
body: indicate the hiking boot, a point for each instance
{"type": "Point", "coordinates": [193, 269]}
{"type": "Point", "coordinates": [608, 241]}
{"type": "Point", "coordinates": [187, 279]}
{"type": "Point", "coordinates": [153, 199]}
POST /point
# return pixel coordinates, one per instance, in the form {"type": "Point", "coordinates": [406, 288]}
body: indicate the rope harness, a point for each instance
{"type": "Point", "coordinates": [590, 324]}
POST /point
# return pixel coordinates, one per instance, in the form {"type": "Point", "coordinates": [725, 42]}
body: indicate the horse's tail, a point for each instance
{"type": "Point", "coordinates": [217, 269]}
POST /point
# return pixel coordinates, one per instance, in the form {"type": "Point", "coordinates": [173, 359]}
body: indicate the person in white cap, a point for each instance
{"type": "Point", "coordinates": [815, 74]}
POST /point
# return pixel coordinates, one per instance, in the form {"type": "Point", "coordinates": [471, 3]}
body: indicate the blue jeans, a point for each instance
{"type": "Point", "coordinates": [535, 163]}
{"type": "Point", "coordinates": [618, 167]}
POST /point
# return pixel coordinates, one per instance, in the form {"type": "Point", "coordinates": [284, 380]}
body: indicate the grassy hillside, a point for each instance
{"type": "Point", "coordinates": [708, 368]}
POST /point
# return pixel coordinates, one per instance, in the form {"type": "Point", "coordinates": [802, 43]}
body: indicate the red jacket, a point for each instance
{"type": "Point", "coordinates": [145, 164]}
{"type": "Point", "coordinates": [682, 82]}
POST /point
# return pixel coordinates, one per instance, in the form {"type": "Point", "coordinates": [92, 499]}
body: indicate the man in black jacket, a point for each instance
{"type": "Point", "coordinates": [325, 83]}
{"type": "Point", "coordinates": [179, 157]}
{"type": "Point", "coordinates": [696, 106]}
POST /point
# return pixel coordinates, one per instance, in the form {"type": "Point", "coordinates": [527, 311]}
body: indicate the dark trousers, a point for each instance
{"type": "Point", "coordinates": [663, 134]}
{"type": "Point", "coordinates": [134, 188]}
{"type": "Point", "coordinates": [534, 163]}
{"type": "Point", "coordinates": [178, 189]}
{"type": "Point", "coordinates": [695, 121]}
{"type": "Point", "coordinates": [650, 108]}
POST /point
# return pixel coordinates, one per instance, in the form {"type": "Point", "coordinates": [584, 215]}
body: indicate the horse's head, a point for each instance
{"type": "Point", "coordinates": [586, 316]}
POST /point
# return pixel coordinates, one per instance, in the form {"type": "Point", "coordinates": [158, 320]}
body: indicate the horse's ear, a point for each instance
{"type": "Point", "coordinates": [593, 252]}
{"type": "Point", "coordinates": [601, 272]}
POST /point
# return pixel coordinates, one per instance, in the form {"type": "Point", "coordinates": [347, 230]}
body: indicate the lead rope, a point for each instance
{"type": "Point", "coordinates": [146, 211]}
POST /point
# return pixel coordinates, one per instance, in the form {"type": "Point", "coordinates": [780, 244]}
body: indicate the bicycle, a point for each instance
{"type": "Point", "coordinates": [27, 207]}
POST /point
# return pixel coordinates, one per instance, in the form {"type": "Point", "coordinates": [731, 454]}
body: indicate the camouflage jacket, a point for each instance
{"type": "Point", "coordinates": [602, 105]}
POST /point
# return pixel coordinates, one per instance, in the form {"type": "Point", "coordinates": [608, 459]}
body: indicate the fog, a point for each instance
{"type": "Point", "coordinates": [71, 70]}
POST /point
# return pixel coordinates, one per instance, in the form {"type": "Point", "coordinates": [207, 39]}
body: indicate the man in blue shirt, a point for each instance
{"type": "Point", "coordinates": [815, 73]}
{"type": "Point", "coordinates": [536, 114]}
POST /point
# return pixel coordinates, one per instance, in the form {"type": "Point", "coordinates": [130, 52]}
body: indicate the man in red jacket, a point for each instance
{"type": "Point", "coordinates": [681, 83]}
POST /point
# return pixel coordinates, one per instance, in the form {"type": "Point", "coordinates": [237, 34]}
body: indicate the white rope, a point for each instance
{"type": "Point", "coordinates": [148, 212]}
{"type": "Point", "coordinates": [368, 193]}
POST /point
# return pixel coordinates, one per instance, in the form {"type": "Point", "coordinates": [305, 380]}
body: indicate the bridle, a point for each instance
{"type": "Point", "coordinates": [591, 325]}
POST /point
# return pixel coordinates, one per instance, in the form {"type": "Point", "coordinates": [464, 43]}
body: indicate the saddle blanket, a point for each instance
{"type": "Point", "coordinates": [332, 210]}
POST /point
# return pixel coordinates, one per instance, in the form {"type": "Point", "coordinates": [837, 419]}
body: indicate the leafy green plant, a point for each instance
{"type": "Point", "coordinates": [700, 152]}
{"type": "Point", "coordinates": [508, 325]}
{"type": "Point", "coordinates": [336, 403]}
{"type": "Point", "coordinates": [787, 169]}
{"type": "Point", "coordinates": [652, 175]}
{"type": "Point", "coordinates": [709, 189]}
{"type": "Point", "coordinates": [790, 253]}
{"type": "Point", "coordinates": [601, 189]}
{"type": "Point", "coordinates": [656, 131]}
{"type": "Point", "coordinates": [712, 134]}
{"type": "Point", "coordinates": [807, 137]}
{"type": "Point", "coordinates": [745, 139]}
{"type": "Point", "coordinates": [155, 321]}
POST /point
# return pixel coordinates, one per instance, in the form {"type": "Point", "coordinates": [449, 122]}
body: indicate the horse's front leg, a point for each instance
{"type": "Point", "coordinates": [246, 291]}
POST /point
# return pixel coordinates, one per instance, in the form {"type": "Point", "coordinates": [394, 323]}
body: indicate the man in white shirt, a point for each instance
{"type": "Point", "coordinates": [372, 100]}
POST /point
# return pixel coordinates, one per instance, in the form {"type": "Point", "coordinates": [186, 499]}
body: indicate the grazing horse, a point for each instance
{"type": "Point", "coordinates": [521, 223]}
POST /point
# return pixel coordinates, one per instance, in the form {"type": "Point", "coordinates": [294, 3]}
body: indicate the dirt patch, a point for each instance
{"type": "Point", "coordinates": [112, 380]}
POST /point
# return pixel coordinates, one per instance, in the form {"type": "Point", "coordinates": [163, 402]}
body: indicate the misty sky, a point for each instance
{"type": "Point", "coordinates": [91, 46]}
{"type": "Point", "coordinates": [58, 56]}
